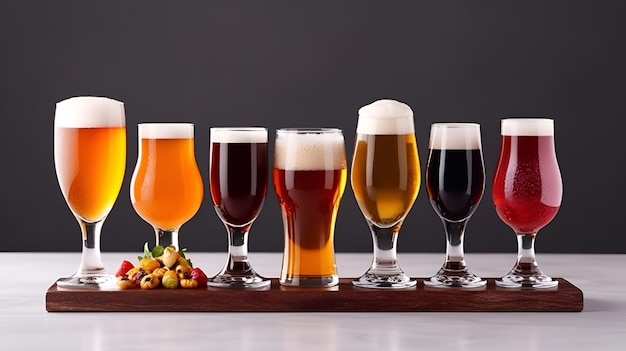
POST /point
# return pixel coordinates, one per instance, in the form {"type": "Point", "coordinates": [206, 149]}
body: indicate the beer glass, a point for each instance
{"type": "Point", "coordinates": [527, 192]}
{"type": "Point", "coordinates": [385, 179]}
{"type": "Point", "coordinates": [90, 161]}
{"type": "Point", "coordinates": [166, 188]}
{"type": "Point", "coordinates": [455, 181]}
{"type": "Point", "coordinates": [309, 178]}
{"type": "Point", "coordinates": [238, 174]}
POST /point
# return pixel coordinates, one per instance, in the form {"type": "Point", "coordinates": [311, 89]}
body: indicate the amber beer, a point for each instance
{"type": "Point", "coordinates": [309, 179]}
{"type": "Point", "coordinates": [166, 186]}
{"type": "Point", "coordinates": [90, 157]}
{"type": "Point", "coordinates": [385, 176]}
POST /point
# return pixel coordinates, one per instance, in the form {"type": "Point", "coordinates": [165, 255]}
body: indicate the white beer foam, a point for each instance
{"type": "Point", "coordinates": [455, 136]}
{"type": "Point", "coordinates": [238, 135]}
{"type": "Point", "coordinates": [527, 126]}
{"type": "Point", "coordinates": [385, 117]}
{"type": "Point", "coordinates": [89, 112]}
{"type": "Point", "coordinates": [165, 130]}
{"type": "Point", "coordinates": [309, 152]}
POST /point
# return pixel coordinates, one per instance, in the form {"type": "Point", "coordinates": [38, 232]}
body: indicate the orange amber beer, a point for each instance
{"type": "Point", "coordinates": [166, 186]}
{"type": "Point", "coordinates": [90, 161]}
{"type": "Point", "coordinates": [90, 156]}
{"type": "Point", "coordinates": [309, 179]}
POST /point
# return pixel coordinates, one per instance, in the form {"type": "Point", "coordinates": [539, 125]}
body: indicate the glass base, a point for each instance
{"type": "Point", "coordinates": [232, 280]}
{"type": "Point", "coordinates": [310, 281]}
{"type": "Point", "coordinates": [100, 281]}
{"type": "Point", "coordinates": [455, 279]}
{"type": "Point", "coordinates": [387, 281]}
{"type": "Point", "coordinates": [514, 280]}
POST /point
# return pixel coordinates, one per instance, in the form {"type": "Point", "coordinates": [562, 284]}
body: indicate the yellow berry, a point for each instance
{"type": "Point", "coordinates": [170, 280]}
{"type": "Point", "coordinates": [149, 264]}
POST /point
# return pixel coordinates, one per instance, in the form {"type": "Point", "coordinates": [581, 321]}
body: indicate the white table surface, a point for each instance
{"type": "Point", "coordinates": [25, 324]}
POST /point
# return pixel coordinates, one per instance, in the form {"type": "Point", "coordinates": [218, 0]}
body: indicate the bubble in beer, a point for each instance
{"type": "Point", "coordinates": [385, 117]}
{"type": "Point", "coordinates": [455, 136]}
{"type": "Point", "coordinates": [89, 112]}
{"type": "Point", "coordinates": [309, 151]}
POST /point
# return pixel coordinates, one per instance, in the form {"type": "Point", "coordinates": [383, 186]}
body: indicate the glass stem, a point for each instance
{"type": "Point", "coordinates": [91, 260]}
{"type": "Point", "coordinates": [238, 250]}
{"type": "Point", "coordinates": [385, 255]}
{"type": "Point", "coordinates": [167, 238]}
{"type": "Point", "coordinates": [455, 257]}
{"type": "Point", "coordinates": [526, 263]}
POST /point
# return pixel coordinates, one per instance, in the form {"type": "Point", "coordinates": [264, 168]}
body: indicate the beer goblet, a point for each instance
{"type": "Point", "coordinates": [527, 192]}
{"type": "Point", "coordinates": [90, 161]}
{"type": "Point", "coordinates": [238, 174]}
{"type": "Point", "coordinates": [309, 178]}
{"type": "Point", "coordinates": [455, 181]}
{"type": "Point", "coordinates": [166, 187]}
{"type": "Point", "coordinates": [385, 179]}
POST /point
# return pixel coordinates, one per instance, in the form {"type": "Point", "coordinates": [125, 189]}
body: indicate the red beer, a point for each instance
{"type": "Point", "coordinates": [527, 186]}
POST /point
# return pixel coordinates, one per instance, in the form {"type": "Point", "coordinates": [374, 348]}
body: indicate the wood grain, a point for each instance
{"type": "Point", "coordinates": [344, 298]}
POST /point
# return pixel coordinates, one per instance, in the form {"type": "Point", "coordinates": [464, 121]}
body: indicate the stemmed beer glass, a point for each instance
{"type": "Point", "coordinates": [455, 180]}
{"type": "Point", "coordinates": [239, 176]}
{"type": "Point", "coordinates": [385, 179]}
{"type": "Point", "coordinates": [527, 192]}
{"type": "Point", "coordinates": [90, 161]}
{"type": "Point", "coordinates": [166, 188]}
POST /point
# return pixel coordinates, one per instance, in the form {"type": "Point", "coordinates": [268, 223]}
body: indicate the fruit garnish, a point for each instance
{"type": "Point", "coordinates": [124, 267]}
{"type": "Point", "coordinates": [161, 266]}
{"type": "Point", "coordinates": [199, 276]}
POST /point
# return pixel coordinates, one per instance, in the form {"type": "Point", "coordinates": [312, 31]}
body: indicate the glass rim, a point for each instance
{"type": "Point", "coordinates": [239, 129]}
{"type": "Point", "coordinates": [315, 130]}
{"type": "Point", "coordinates": [455, 124]}
{"type": "Point", "coordinates": [148, 124]}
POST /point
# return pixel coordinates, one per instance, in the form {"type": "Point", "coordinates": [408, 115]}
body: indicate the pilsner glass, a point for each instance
{"type": "Point", "coordinates": [90, 161]}
{"type": "Point", "coordinates": [309, 178]}
{"type": "Point", "coordinates": [238, 174]}
{"type": "Point", "coordinates": [455, 180]}
{"type": "Point", "coordinates": [527, 192]}
{"type": "Point", "coordinates": [166, 188]}
{"type": "Point", "coordinates": [385, 180]}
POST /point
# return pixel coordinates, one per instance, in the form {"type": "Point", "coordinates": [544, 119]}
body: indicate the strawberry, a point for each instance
{"type": "Point", "coordinates": [124, 267]}
{"type": "Point", "coordinates": [199, 276]}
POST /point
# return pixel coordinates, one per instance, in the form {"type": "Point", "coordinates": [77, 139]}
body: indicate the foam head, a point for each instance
{"type": "Point", "coordinates": [387, 117]}
{"type": "Point", "coordinates": [455, 136]}
{"type": "Point", "coordinates": [310, 150]}
{"type": "Point", "coordinates": [165, 130]}
{"type": "Point", "coordinates": [527, 127]}
{"type": "Point", "coordinates": [238, 135]}
{"type": "Point", "coordinates": [89, 112]}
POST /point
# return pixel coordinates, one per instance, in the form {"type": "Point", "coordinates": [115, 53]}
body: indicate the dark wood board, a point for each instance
{"type": "Point", "coordinates": [344, 298]}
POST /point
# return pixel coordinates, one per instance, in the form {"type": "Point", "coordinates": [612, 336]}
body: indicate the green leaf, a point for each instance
{"type": "Point", "coordinates": [157, 251]}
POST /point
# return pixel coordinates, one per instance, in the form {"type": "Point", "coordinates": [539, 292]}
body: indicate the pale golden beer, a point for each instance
{"type": "Point", "coordinates": [90, 161]}
{"type": "Point", "coordinates": [309, 178]}
{"type": "Point", "coordinates": [385, 179]}
{"type": "Point", "coordinates": [385, 176]}
{"type": "Point", "coordinates": [166, 186]}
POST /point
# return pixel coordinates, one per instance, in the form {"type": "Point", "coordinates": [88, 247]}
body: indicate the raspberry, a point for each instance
{"type": "Point", "coordinates": [199, 276]}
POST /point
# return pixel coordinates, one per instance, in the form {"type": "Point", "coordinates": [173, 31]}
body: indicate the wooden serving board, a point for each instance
{"type": "Point", "coordinates": [344, 298]}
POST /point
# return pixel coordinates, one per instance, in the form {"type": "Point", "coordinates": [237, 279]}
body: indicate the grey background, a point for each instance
{"type": "Point", "coordinates": [314, 63]}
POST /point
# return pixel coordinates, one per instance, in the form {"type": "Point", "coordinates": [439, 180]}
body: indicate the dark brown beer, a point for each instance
{"type": "Point", "coordinates": [239, 176]}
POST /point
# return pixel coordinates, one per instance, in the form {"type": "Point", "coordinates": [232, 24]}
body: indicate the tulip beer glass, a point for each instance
{"type": "Point", "coordinates": [385, 180]}
{"type": "Point", "coordinates": [166, 188]}
{"type": "Point", "coordinates": [527, 192]}
{"type": "Point", "coordinates": [90, 161]}
{"type": "Point", "coordinates": [238, 173]}
{"type": "Point", "coordinates": [309, 179]}
{"type": "Point", "coordinates": [455, 181]}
